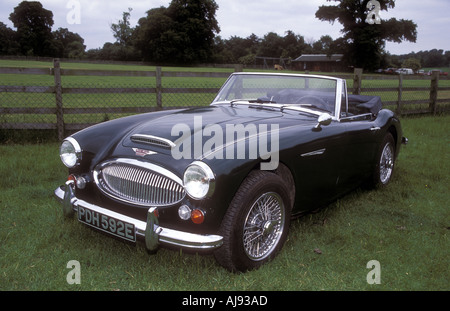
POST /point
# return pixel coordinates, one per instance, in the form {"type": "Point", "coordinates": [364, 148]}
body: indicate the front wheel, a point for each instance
{"type": "Point", "coordinates": [256, 224]}
{"type": "Point", "coordinates": [384, 167]}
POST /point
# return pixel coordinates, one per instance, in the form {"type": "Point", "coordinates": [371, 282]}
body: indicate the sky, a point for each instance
{"type": "Point", "coordinates": [92, 19]}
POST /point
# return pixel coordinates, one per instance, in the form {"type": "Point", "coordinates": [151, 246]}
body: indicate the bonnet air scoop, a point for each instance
{"type": "Point", "coordinates": [152, 141]}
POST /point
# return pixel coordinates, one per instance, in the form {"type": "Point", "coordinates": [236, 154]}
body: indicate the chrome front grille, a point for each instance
{"type": "Point", "coordinates": [139, 183]}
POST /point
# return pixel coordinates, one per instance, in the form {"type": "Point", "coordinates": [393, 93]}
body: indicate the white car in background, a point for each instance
{"type": "Point", "coordinates": [405, 71]}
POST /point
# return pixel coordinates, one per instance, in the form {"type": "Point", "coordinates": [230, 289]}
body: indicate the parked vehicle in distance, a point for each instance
{"type": "Point", "coordinates": [405, 71]}
{"type": "Point", "coordinates": [441, 73]}
{"type": "Point", "coordinates": [227, 178]}
{"type": "Point", "coordinates": [390, 71]}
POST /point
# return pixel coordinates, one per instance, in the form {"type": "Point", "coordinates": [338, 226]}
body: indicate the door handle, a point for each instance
{"type": "Point", "coordinates": [373, 129]}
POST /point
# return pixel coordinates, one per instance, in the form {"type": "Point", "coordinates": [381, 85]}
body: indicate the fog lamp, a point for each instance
{"type": "Point", "coordinates": [184, 212]}
{"type": "Point", "coordinates": [81, 182]}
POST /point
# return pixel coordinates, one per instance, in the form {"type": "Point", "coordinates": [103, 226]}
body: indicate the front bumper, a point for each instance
{"type": "Point", "coordinates": [150, 231]}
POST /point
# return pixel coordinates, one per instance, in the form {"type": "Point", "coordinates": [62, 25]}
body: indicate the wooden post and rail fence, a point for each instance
{"type": "Point", "coordinates": [158, 90]}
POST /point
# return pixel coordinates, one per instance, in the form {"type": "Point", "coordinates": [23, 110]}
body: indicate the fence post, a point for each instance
{"type": "Point", "coordinates": [434, 91]}
{"type": "Point", "coordinates": [58, 98]}
{"type": "Point", "coordinates": [158, 87]}
{"type": "Point", "coordinates": [357, 81]}
{"type": "Point", "coordinates": [400, 93]}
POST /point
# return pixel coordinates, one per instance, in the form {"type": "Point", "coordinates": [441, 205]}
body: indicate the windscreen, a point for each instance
{"type": "Point", "coordinates": [313, 92]}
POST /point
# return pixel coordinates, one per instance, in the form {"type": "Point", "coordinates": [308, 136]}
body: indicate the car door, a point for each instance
{"type": "Point", "coordinates": [360, 152]}
{"type": "Point", "coordinates": [315, 160]}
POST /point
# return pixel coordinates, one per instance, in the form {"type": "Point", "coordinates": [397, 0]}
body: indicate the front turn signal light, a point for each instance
{"type": "Point", "coordinates": [197, 216]}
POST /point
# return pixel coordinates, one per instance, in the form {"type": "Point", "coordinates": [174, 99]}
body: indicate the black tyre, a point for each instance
{"type": "Point", "coordinates": [256, 224]}
{"type": "Point", "coordinates": [384, 167]}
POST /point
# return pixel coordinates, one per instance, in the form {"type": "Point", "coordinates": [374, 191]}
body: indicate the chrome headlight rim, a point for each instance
{"type": "Point", "coordinates": [207, 176]}
{"type": "Point", "coordinates": [73, 158]}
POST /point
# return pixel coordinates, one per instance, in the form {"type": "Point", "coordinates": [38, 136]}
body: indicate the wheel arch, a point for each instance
{"type": "Point", "coordinates": [286, 174]}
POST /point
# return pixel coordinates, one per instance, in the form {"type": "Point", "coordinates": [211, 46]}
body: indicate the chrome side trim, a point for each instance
{"type": "Point", "coordinates": [150, 231]}
{"type": "Point", "coordinates": [152, 140]}
{"type": "Point", "coordinates": [314, 153]}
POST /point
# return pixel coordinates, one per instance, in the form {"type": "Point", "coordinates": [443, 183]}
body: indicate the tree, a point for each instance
{"type": "Point", "coordinates": [434, 58]}
{"type": "Point", "coordinates": [182, 33]}
{"type": "Point", "coordinates": [271, 45]}
{"type": "Point", "coordinates": [364, 42]}
{"type": "Point", "coordinates": [289, 46]}
{"type": "Point", "coordinates": [123, 49]}
{"type": "Point", "coordinates": [325, 45]}
{"type": "Point", "coordinates": [236, 48]}
{"type": "Point", "coordinates": [412, 63]}
{"type": "Point", "coordinates": [68, 44]}
{"type": "Point", "coordinates": [150, 35]}
{"type": "Point", "coordinates": [293, 45]}
{"type": "Point", "coordinates": [34, 28]}
{"type": "Point", "coordinates": [8, 43]}
{"type": "Point", "coordinates": [122, 31]}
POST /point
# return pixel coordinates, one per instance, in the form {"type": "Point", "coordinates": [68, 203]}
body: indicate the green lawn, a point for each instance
{"type": "Point", "coordinates": [405, 227]}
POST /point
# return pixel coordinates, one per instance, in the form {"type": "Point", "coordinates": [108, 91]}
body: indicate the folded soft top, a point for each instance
{"type": "Point", "coordinates": [370, 104]}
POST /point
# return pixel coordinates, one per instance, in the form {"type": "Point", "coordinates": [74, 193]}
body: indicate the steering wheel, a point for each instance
{"type": "Point", "coordinates": [313, 101]}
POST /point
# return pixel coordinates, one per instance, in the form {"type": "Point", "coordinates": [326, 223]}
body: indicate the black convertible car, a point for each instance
{"type": "Point", "coordinates": [227, 178]}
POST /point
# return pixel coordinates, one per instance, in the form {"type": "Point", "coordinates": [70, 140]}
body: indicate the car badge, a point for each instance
{"type": "Point", "coordinates": [143, 152]}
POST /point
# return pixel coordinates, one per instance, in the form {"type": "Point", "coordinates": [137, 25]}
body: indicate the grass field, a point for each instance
{"type": "Point", "coordinates": [405, 227]}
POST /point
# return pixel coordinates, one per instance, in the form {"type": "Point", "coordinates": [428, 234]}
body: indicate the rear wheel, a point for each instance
{"type": "Point", "coordinates": [256, 224]}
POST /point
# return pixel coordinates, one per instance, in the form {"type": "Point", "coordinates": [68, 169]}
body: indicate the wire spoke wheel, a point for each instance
{"type": "Point", "coordinates": [386, 163]}
{"type": "Point", "coordinates": [263, 226]}
{"type": "Point", "coordinates": [256, 224]}
{"type": "Point", "coordinates": [384, 166]}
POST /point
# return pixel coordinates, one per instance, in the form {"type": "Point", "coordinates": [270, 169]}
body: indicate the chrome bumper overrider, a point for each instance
{"type": "Point", "coordinates": [149, 231]}
{"type": "Point", "coordinates": [405, 140]}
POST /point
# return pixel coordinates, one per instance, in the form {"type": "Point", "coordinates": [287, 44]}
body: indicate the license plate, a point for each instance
{"type": "Point", "coordinates": [116, 227]}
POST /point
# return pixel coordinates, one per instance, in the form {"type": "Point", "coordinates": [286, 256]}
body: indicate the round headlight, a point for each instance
{"type": "Point", "coordinates": [199, 180]}
{"type": "Point", "coordinates": [70, 152]}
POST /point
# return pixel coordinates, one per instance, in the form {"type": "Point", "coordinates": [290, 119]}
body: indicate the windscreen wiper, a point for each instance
{"type": "Point", "coordinates": [253, 101]}
{"type": "Point", "coordinates": [263, 100]}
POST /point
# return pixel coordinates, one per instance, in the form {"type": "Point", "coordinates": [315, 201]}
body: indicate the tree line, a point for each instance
{"type": "Point", "coordinates": [186, 32]}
